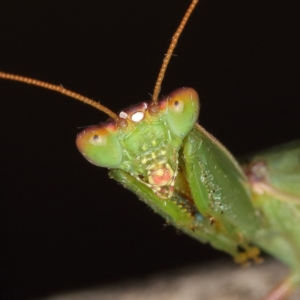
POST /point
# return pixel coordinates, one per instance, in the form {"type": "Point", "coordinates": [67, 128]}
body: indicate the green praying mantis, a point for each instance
{"type": "Point", "coordinates": [191, 179]}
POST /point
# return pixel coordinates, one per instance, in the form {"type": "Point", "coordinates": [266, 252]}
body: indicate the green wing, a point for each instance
{"type": "Point", "coordinates": [274, 176]}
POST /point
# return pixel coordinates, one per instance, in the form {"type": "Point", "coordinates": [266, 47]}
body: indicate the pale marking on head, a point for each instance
{"type": "Point", "coordinates": [123, 115]}
{"type": "Point", "coordinates": [151, 167]}
{"type": "Point", "coordinates": [98, 140]}
{"type": "Point", "coordinates": [137, 116]}
{"type": "Point", "coordinates": [162, 176]}
{"type": "Point", "coordinates": [161, 162]}
{"type": "Point", "coordinates": [179, 106]}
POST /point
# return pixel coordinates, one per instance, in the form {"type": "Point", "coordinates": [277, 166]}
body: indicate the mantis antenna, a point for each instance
{"type": "Point", "coordinates": [60, 89]}
{"type": "Point", "coordinates": [172, 46]}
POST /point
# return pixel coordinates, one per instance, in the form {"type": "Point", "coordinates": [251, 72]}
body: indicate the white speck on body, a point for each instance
{"type": "Point", "coordinates": [137, 117]}
{"type": "Point", "coordinates": [123, 115]}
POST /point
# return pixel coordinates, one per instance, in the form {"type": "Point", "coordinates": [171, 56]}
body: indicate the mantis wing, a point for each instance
{"type": "Point", "coordinates": [275, 179]}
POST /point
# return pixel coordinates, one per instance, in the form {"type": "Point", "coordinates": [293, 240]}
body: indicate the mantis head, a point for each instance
{"type": "Point", "coordinates": [144, 140]}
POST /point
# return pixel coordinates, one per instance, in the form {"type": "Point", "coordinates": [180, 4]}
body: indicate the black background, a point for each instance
{"type": "Point", "coordinates": [64, 224]}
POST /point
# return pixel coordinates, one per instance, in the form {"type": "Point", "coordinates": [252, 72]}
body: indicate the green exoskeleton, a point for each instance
{"type": "Point", "coordinates": [158, 151]}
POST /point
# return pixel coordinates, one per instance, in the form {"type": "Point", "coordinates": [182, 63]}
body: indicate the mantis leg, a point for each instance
{"type": "Point", "coordinates": [285, 288]}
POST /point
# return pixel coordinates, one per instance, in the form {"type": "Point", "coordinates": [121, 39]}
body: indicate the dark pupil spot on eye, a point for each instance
{"type": "Point", "coordinates": [176, 102]}
{"type": "Point", "coordinates": [95, 137]}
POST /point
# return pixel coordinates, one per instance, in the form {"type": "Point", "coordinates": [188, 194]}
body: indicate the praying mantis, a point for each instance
{"type": "Point", "coordinates": [212, 87]}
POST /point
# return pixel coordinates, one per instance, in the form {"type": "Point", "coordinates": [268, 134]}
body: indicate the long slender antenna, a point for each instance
{"type": "Point", "coordinates": [59, 89]}
{"type": "Point", "coordinates": [172, 46]}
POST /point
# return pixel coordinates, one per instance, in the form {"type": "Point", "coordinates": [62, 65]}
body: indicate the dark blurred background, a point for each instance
{"type": "Point", "coordinates": [64, 224]}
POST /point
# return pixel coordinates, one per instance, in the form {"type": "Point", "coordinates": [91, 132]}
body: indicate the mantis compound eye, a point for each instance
{"type": "Point", "coordinates": [100, 147]}
{"type": "Point", "coordinates": [182, 111]}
